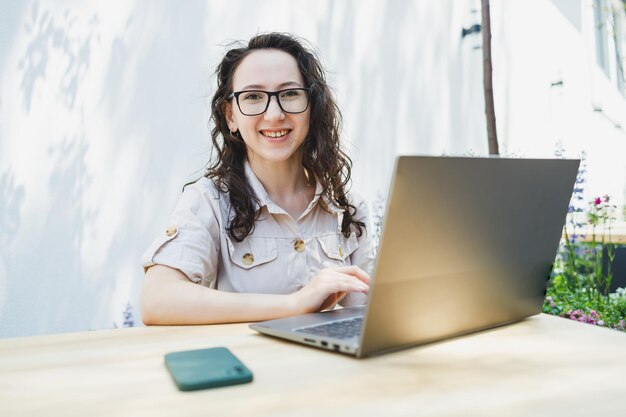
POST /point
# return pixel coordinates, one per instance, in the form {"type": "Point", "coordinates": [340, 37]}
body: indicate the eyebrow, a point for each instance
{"type": "Point", "coordinates": [280, 86]}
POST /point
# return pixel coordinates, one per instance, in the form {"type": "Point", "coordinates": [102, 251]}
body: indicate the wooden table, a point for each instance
{"type": "Point", "coordinates": [542, 366]}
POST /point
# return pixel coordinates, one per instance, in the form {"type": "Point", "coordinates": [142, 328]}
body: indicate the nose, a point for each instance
{"type": "Point", "coordinates": [274, 112]}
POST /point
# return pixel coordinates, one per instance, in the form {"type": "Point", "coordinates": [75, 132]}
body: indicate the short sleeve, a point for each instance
{"type": "Point", "coordinates": [363, 256]}
{"type": "Point", "coordinates": [191, 241]}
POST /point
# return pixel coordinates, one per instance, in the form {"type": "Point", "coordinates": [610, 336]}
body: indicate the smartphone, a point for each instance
{"type": "Point", "coordinates": [206, 368]}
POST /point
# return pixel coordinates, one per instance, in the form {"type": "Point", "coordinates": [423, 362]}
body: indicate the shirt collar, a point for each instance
{"type": "Point", "coordinates": [260, 192]}
{"type": "Point", "coordinates": [264, 199]}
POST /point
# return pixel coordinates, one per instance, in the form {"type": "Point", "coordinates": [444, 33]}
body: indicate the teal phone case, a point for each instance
{"type": "Point", "coordinates": [206, 368]}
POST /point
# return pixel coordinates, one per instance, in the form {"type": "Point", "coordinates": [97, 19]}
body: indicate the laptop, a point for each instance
{"type": "Point", "coordinates": [467, 244]}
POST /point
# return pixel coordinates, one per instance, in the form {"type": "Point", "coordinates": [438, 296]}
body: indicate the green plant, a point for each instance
{"type": "Point", "coordinates": [580, 284]}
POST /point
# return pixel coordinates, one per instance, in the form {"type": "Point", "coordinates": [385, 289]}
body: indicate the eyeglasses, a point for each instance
{"type": "Point", "coordinates": [255, 102]}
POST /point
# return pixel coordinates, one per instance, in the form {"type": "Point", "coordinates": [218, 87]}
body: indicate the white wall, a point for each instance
{"type": "Point", "coordinates": [103, 113]}
{"type": "Point", "coordinates": [538, 43]}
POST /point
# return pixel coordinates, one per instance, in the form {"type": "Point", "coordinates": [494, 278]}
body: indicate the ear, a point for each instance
{"type": "Point", "coordinates": [228, 114]}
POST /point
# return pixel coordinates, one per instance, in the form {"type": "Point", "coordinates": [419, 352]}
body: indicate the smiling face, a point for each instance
{"type": "Point", "coordinates": [273, 136]}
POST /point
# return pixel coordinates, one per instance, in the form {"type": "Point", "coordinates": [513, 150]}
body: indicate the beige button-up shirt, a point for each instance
{"type": "Point", "coordinates": [280, 256]}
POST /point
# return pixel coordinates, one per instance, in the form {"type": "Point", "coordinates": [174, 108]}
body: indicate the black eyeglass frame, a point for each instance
{"type": "Point", "coordinates": [271, 94]}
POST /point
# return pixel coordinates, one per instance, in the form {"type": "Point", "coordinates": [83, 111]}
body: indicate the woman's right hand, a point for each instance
{"type": "Point", "coordinates": [328, 287]}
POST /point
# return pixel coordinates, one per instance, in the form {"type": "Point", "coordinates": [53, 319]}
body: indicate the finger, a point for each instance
{"type": "Point", "coordinates": [354, 271]}
{"type": "Point", "coordinates": [345, 283]}
{"type": "Point", "coordinates": [335, 275]}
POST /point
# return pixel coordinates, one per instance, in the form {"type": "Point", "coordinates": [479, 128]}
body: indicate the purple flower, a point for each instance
{"type": "Point", "coordinates": [576, 315]}
{"type": "Point", "coordinates": [598, 201]}
{"type": "Point", "coordinates": [551, 301]}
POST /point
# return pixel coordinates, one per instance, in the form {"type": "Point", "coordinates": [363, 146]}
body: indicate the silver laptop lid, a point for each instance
{"type": "Point", "coordinates": [467, 244]}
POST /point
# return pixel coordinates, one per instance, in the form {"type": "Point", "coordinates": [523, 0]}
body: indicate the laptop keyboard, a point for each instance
{"type": "Point", "coordinates": [341, 329]}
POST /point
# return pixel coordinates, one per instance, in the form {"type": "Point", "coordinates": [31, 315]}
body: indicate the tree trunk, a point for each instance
{"type": "Point", "coordinates": [492, 136]}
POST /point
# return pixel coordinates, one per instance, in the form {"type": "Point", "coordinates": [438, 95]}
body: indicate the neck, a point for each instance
{"type": "Point", "coordinates": [281, 179]}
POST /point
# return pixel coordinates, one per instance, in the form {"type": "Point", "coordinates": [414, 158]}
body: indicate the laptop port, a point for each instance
{"type": "Point", "coordinates": [324, 343]}
{"type": "Point", "coordinates": [336, 347]}
{"type": "Point", "coordinates": [309, 341]}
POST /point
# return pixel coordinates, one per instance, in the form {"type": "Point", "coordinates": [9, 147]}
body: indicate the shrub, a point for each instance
{"type": "Point", "coordinates": [579, 288]}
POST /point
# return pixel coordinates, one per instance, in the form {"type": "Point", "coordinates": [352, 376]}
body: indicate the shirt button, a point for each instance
{"type": "Point", "coordinates": [299, 245]}
{"type": "Point", "coordinates": [248, 259]}
{"type": "Point", "coordinates": [170, 231]}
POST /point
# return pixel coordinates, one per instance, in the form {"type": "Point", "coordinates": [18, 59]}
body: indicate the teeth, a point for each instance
{"type": "Point", "coordinates": [274, 134]}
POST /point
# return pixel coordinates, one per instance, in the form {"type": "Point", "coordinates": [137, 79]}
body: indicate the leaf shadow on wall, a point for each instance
{"type": "Point", "coordinates": [49, 35]}
{"type": "Point", "coordinates": [11, 203]}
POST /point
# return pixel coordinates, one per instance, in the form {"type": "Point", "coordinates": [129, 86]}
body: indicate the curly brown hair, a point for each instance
{"type": "Point", "coordinates": [322, 155]}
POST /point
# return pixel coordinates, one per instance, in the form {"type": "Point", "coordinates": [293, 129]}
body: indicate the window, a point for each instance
{"type": "Point", "coordinates": [610, 19]}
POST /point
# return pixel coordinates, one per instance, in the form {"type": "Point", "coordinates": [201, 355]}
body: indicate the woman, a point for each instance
{"type": "Point", "coordinates": [269, 231]}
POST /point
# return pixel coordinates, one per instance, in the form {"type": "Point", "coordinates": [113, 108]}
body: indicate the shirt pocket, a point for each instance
{"type": "Point", "coordinates": [337, 246]}
{"type": "Point", "coordinates": [252, 252]}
